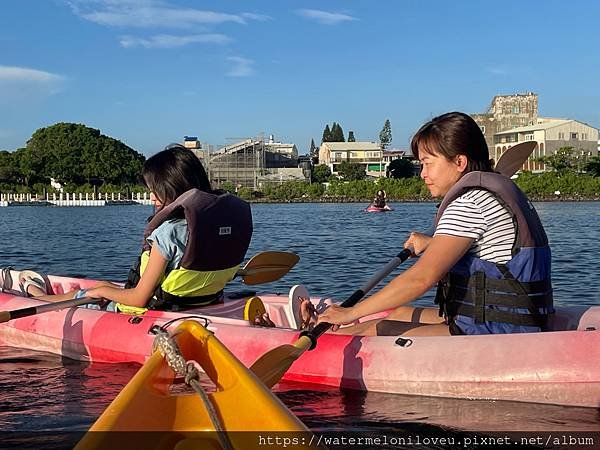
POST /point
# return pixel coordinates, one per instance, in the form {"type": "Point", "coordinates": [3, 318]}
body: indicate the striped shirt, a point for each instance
{"type": "Point", "coordinates": [478, 215]}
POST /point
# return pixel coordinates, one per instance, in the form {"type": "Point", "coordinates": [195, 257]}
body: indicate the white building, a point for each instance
{"type": "Point", "coordinates": [550, 135]}
{"type": "Point", "coordinates": [367, 154]}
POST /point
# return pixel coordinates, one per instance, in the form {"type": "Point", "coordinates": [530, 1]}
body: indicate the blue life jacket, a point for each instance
{"type": "Point", "coordinates": [483, 297]}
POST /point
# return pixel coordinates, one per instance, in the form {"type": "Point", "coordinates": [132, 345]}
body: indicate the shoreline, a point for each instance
{"type": "Point", "coordinates": [100, 203]}
{"type": "Point", "coordinates": [573, 199]}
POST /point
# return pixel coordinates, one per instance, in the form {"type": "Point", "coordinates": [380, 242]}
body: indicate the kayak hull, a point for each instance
{"type": "Point", "coordinates": [558, 367]}
{"type": "Point", "coordinates": [372, 208]}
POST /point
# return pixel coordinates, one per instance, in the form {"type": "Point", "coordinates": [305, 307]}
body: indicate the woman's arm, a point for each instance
{"type": "Point", "coordinates": [441, 254]}
{"type": "Point", "coordinates": [141, 294]}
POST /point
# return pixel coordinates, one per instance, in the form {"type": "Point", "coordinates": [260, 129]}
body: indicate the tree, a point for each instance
{"type": "Point", "coordinates": [351, 171]}
{"type": "Point", "coordinates": [320, 174]}
{"type": "Point", "coordinates": [337, 134]}
{"type": "Point", "coordinates": [351, 137]}
{"type": "Point", "coordinates": [8, 170]}
{"type": "Point", "coordinates": [385, 136]}
{"type": "Point", "coordinates": [313, 153]}
{"type": "Point", "coordinates": [400, 168]}
{"type": "Point", "coordinates": [74, 153]}
{"type": "Point", "coordinates": [593, 166]}
{"type": "Point", "coordinates": [326, 134]}
{"type": "Point", "coordinates": [562, 161]}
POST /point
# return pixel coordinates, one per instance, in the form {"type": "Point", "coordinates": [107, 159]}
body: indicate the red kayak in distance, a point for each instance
{"type": "Point", "coordinates": [372, 208]}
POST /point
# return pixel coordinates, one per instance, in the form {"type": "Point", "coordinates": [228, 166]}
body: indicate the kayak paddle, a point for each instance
{"type": "Point", "coordinates": [261, 268]}
{"type": "Point", "coordinates": [5, 316]}
{"type": "Point", "coordinates": [271, 366]}
{"type": "Point", "coordinates": [267, 266]}
{"type": "Point", "coordinates": [514, 158]}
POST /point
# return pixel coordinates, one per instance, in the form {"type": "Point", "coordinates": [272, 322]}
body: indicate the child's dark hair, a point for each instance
{"type": "Point", "coordinates": [173, 171]}
{"type": "Point", "coordinates": [454, 134]}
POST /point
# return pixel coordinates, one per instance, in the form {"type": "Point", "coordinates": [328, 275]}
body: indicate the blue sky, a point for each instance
{"type": "Point", "coordinates": [148, 72]}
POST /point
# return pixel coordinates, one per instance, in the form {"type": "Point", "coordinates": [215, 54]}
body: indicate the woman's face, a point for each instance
{"type": "Point", "coordinates": [440, 174]}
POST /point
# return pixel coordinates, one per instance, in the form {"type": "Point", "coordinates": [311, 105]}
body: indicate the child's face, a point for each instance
{"type": "Point", "coordinates": [155, 200]}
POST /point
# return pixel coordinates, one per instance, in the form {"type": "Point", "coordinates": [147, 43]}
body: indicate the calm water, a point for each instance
{"type": "Point", "coordinates": [340, 248]}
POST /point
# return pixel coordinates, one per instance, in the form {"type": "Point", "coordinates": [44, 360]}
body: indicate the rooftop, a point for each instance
{"type": "Point", "coordinates": [352, 145]}
{"type": "Point", "coordinates": [544, 125]}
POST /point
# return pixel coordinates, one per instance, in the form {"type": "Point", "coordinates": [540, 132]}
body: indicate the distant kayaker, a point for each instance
{"type": "Point", "coordinates": [380, 199]}
{"type": "Point", "coordinates": [489, 253]}
{"type": "Point", "coordinates": [193, 244]}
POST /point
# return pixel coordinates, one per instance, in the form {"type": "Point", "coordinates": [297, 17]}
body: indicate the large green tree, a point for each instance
{"type": "Point", "coordinates": [74, 153]}
{"type": "Point", "coordinates": [385, 136]}
{"type": "Point", "coordinates": [314, 152]}
{"type": "Point", "coordinates": [400, 168]}
{"type": "Point", "coordinates": [8, 171]}
{"type": "Point", "coordinates": [562, 161]}
{"type": "Point", "coordinates": [351, 171]}
{"type": "Point", "coordinates": [337, 134]}
{"type": "Point", "coordinates": [593, 166]}
{"type": "Point", "coordinates": [320, 173]}
{"type": "Point", "coordinates": [326, 134]}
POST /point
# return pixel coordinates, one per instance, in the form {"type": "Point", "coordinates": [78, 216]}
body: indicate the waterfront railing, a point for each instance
{"type": "Point", "coordinates": [75, 199]}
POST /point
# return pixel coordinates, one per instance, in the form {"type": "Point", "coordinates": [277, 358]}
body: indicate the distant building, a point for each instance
{"type": "Point", "coordinates": [191, 142]}
{"type": "Point", "coordinates": [506, 112]}
{"type": "Point", "coordinates": [550, 135]}
{"type": "Point", "coordinates": [254, 162]}
{"type": "Point", "coordinates": [511, 119]}
{"type": "Point", "coordinates": [367, 154]}
{"type": "Point", "coordinates": [390, 155]}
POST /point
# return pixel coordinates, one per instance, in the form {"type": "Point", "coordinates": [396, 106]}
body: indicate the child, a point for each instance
{"type": "Point", "coordinates": [193, 245]}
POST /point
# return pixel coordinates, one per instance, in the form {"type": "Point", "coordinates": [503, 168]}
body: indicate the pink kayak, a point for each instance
{"type": "Point", "coordinates": [560, 367]}
{"type": "Point", "coordinates": [372, 208]}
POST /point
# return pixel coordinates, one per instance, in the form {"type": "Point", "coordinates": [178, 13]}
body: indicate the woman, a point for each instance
{"type": "Point", "coordinates": [489, 253]}
{"type": "Point", "coordinates": [193, 244]}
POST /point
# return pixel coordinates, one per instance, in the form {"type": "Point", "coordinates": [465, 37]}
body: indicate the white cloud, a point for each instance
{"type": "Point", "coordinates": [242, 67]}
{"type": "Point", "coordinates": [499, 70]}
{"type": "Point", "coordinates": [324, 17]}
{"type": "Point", "coordinates": [170, 41]}
{"type": "Point", "coordinates": [258, 17]}
{"type": "Point", "coordinates": [23, 74]}
{"type": "Point", "coordinates": [152, 14]}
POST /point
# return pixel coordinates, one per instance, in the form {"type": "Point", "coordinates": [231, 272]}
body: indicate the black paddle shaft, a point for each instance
{"type": "Point", "coordinates": [321, 328]}
{"type": "Point", "coordinates": [5, 316]}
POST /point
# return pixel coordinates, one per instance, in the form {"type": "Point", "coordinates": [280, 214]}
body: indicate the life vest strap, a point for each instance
{"type": "Point", "coordinates": [495, 315]}
{"type": "Point", "coordinates": [509, 285]}
{"type": "Point", "coordinates": [166, 301]}
{"type": "Point", "coordinates": [461, 294]}
{"type": "Point", "coordinates": [479, 297]}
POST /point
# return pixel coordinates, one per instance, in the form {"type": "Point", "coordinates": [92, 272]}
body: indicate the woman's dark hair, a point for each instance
{"type": "Point", "coordinates": [454, 134]}
{"type": "Point", "coordinates": [172, 172]}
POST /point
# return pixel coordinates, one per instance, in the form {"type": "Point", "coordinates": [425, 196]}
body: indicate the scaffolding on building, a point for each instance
{"type": "Point", "coordinates": [250, 162]}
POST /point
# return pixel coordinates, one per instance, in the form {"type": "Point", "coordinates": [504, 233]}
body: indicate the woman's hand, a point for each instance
{"type": "Point", "coordinates": [417, 242]}
{"type": "Point", "coordinates": [337, 316]}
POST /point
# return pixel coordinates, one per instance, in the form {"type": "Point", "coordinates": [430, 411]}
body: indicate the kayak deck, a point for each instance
{"type": "Point", "coordinates": [239, 401]}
